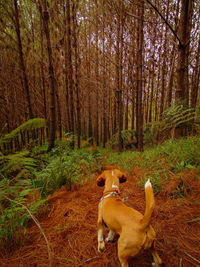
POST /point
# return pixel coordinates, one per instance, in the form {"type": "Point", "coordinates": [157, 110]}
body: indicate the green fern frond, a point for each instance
{"type": "Point", "coordinates": [18, 163]}
{"type": "Point", "coordinates": [29, 125]}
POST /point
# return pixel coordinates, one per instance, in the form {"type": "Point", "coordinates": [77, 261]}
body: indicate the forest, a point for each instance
{"type": "Point", "coordinates": [87, 85]}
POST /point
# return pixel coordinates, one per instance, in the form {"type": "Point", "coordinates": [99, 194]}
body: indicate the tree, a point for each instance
{"type": "Point", "coordinates": [139, 92]}
{"type": "Point", "coordinates": [184, 35]}
{"type": "Point", "coordinates": [21, 56]}
{"type": "Point", "coordinates": [52, 125]}
{"type": "Point", "coordinates": [70, 71]}
{"type": "Point", "coordinates": [77, 61]}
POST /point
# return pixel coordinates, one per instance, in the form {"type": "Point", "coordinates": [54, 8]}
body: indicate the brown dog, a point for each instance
{"type": "Point", "coordinates": [134, 229]}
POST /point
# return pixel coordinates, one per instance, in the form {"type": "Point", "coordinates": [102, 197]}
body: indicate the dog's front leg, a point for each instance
{"type": "Point", "coordinates": [110, 236]}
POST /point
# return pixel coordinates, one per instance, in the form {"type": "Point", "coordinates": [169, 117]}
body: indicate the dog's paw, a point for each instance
{"type": "Point", "coordinates": [110, 236]}
{"type": "Point", "coordinates": [108, 239]}
{"type": "Point", "coordinates": [101, 246]}
{"type": "Point", "coordinates": [154, 264]}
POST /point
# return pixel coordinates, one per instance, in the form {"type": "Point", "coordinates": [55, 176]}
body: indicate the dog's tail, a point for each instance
{"type": "Point", "coordinates": [150, 203]}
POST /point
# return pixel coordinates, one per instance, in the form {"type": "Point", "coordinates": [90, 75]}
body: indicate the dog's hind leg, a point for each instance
{"type": "Point", "coordinates": [156, 258]}
{"type": "Point", "coordinates": [101, 244]}
{"type": "Point", "coordinates": [110, 236]}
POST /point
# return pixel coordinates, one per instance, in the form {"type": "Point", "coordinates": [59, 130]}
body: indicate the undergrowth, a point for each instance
{"type": "Point", "coordinates": [28, 177]}
{"type": "Point", "coordinates": [161, 162]}
{"type": "Point", "coordinates": [68, 168]}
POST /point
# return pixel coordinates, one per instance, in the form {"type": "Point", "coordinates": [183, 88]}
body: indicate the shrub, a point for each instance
{"type": "Point", "coordinates": [128, 138]}
{"type": "Point", "coordinates": [68, 168]}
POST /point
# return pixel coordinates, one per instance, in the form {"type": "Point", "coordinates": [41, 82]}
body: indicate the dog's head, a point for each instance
{"type": "Point", "coordinates": [113, 176]}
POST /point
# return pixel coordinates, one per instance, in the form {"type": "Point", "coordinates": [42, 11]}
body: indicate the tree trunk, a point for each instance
{"type": "Point", "coordinates": [23, 68]}
{"type": "Point", "coordinates": [52, 135]}
{"type": "Point", "coordinates": [184, 35]}
{"type": "Point", "coordinates": [139, 118]}
{"type": "Point", "coordinates": [119, 74]}
{"type": "Point", "coordinates": [104, 83]}
{"type": "Point", "coordinates": [90, 133]}
{"type": "Point", "coordinates": [172, 63]}
{"type": "Point", "coordinates": [42, 65]}
{"type": "Point", "coordinates": [196, 79]}
{"type": "Point", "coordinates": [66, 70]}
{"type": "Point", "coordinates": [70, 72]}
{"type": "Point", "coordinates": [97, 76]}
{"type": "Point", "coordinates": [77, 61]}
{"type": "Point", "coordinates": [164, 67]}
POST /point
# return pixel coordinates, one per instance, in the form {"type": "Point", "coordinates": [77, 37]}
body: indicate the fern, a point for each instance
{"type": "Point", "coordinates": [70, 167]}
{"type": "Point", "coordinates": [13, 218]}
{"type": "Point", "coordinates": [127, 136]}
{"type": "Point", "coordinates": [17, 165]}
{"type": "Point", "coordinates": [30, 125]}
{"type": "Point", "coordinates": [173, 117]}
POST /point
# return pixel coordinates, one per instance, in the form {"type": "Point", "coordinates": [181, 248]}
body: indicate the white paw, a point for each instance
{"type": "Point", "coordinates": [108, 239]}
{"type": "Point", "coordinates": [155, 264]}
{"type": "Point", "coordinates": [110, 236]}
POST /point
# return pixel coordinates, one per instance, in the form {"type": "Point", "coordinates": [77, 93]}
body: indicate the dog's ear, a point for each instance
{"type": "Point", "coordinates": [101, 180]}
{"type": "Point", "coordinates": [122, 177]}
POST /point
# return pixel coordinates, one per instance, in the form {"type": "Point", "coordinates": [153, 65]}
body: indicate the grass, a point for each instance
{"type": "Point", "coordinates": [160, 162]}
{"type": "Point", "coordinates": [177, 155]}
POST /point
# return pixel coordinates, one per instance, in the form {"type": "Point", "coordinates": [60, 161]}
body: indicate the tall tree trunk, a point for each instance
{"type": "Point", "coordinates": [23, 68]}
{"type": "Point", "coordinates": [139, 118]}
{"type": "Point", "coordinates": [77, 61]}
{"type": "Point", "coordinates": [104, 82]}
{"type": "Point", "coordinates": [172, 63]}
{"type": "Point", "coordinates": [127, 109]}
{"type": "Point", "coordinates": [97, 76]}
{"type": "Point", "coordinates": [52, 135]}
{"type": "Point", "coordinates": [119, 74]}
{"type": "Point", "coordinates": [157, 95]}
{"type": "Point", "coordinates": [181, 93]}
{"type": "Point", "coordinates": [88, 62]}
{"type": "Point", "coordinates": [42, 64]}
{"type": "Point", "coordinates": [59, 115]}
{"type": "Point", "coordinates": [196, 79]}
{"type": "Point", "coordinates": [146, 99]}
{"type": "Point", "coordinates": [164, 67]}
{"type": "Point", "coordinates": [67, 97]}
{"type": "Point", "coordinates": [70, 71]}
{"type": "Point", "coordinates": [184, 35]}
{"type": "Point", "coordinates": [152, 93]}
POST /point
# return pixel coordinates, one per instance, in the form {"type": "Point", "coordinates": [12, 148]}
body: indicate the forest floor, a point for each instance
{"type": "Point", "coordinates": [70, 227]}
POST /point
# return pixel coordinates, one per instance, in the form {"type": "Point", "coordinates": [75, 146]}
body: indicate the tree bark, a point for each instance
{"type": "Point", "coordinates": [195, 79]}
{"type": "Point", "coordinates": [184, 35]}
{"type": "Point", "coordinates": [42, 64]}
{"type": "Point", "coordinates": [119, 74]}
{"type": "Point", "coordinates": [77, 74]}
{"type": "Point", "coordinates": [139, 121]}
{"type": "Point", "coordinates": [52, 135]}
{"type": "Point", "coordinates": [70, 72]}
{"type": "Point", "coordinates": [104, 83]}
{"type": "Point", "coordinates": [97, 77]}
{"type": "Point", "coordinates": [22, 64]}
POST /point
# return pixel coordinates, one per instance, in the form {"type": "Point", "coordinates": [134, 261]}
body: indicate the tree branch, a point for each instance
{"type": "Point", "coordinates": [160, 14]}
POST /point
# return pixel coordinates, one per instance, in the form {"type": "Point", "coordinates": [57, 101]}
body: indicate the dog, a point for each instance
{"type": "Point", "coordinates": [134, 229]}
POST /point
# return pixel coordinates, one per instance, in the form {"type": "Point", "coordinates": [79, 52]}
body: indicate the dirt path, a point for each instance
{"type": "Point", "coordinates": [70, 226]}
